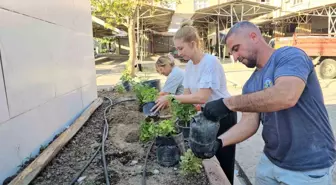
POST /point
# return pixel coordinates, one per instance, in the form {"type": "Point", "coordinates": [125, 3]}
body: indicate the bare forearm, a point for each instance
{"type": "Point", "coordinates": [186, 91]}
{"type": "Point", "coordinates": [241, 131]}
{"type": "Point", "coordinates": [268, 100]}
{"type": "Point", "coordinates": [199, 97]}
{"type": "Point", "coordinates": [190, 99]}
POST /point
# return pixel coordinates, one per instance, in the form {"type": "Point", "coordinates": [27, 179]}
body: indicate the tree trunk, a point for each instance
{"type": "Point", "coordinates": [131, 41]}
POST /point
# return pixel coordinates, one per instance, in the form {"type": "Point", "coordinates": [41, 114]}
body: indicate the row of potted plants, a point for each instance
{"type": "Point", "coordinates": [169, 134]}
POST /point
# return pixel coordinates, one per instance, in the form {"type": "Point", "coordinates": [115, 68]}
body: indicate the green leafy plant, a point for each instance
{"type": "Point", "coordinates": [165, 128]}
{"type": "Point", "coordinates": [147, 131]}
{"type": "Point", "coordinates": [120, 89]}
{"type": "Point", "coordinates": [183, 112]}
{"type": "Point", "coordinates": [126, 76]}
{"type": "Point", "coordinates": [149, 94]}
{"type": "Point", "coordinates": [137, 88]}
{"type": "Point", "coordinates": [124, 13]}
{"type": "Point", "coordinates": [190, 164]}
{"type": "Point", "coordinates": [150, 130]}
{"type": "Point", "coordinates": [144, 93]}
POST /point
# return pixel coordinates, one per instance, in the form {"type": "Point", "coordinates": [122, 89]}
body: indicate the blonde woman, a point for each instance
{"type": "Point", "coordinates": [165, 65]}
{"type": "Point", "coordinates": [204, 81]}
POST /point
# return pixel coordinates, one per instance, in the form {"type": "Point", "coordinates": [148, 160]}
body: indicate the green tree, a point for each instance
{"type": "Point", "coordinates": [124, 12]}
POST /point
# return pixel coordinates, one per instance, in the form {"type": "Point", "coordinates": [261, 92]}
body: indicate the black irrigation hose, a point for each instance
{"type": "Point", "coordinates": [102, 146]}
{"type": "Point", "coordinates": [145, 166]}
{"type": "Point", "coordinates": [74, 180]}
{"type": "Point", "coordinates": [105, 134]}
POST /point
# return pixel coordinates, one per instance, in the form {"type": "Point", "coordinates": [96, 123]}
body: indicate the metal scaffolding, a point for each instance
{"type": "Point", "coordinates": [224, 15]}
{"type": "Point", "coordinates": [304, 17]}
{"type": "Point", "coordinates": [150, 19]}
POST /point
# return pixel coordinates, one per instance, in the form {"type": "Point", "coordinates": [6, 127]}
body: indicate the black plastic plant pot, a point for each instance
{"type": "Point", "coordinates": [153, 83]}
{"type": "Point", "coordinates": [140, 107]}
{"type": "Point", "coordinates": [184, 128]}
{"type": "Point", "coordinates": [203, 135]}
{"type": "Point", "coordinates": [203, 151]}
{"type": "Point", "coordinates": [146, 109]}
{"type": "Point", "coordinates": [167, 151]}
{"type": "Point", "coordinates": [126, 85]}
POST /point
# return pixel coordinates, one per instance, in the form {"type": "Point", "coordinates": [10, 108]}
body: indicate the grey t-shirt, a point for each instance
{"type": "Point", "coordinates": [174, 81]}
{"type": "Point", "coordinates": [298, 138]}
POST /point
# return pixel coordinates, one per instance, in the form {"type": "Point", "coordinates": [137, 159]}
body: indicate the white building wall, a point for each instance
{"type": "Point", "coordinates": [289, 6]}
{"type": "Point", "coordinates": [48, 74]}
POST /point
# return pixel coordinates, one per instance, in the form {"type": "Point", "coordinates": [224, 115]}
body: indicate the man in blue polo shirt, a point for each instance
{"type": "Point", "coordinates": [285, 95]}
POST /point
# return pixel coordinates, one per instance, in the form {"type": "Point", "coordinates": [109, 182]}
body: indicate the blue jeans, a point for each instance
{"type": "Point", "coordinates": [269, 174]}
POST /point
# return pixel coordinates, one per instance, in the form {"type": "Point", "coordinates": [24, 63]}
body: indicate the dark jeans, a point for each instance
{"type": "Point", "coordinates": [226, 155]}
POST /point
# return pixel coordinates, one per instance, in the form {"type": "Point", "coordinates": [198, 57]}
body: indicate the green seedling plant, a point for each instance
{"type": "Point", "coordinates": [165, 128]}
{"type": "Point", "coordinates": [149, 94]}
{"type": "Point", "coordinates": [147, 131]}
{"type": "Point", "coordinates": [190, 164]}
{"type": "Point", "coordinates": [184, 112]}
{"type": "Point", "coordinates": [150, 130]}
{"type": "Point", "coordinates": [126, 76]}
{"type": "Point", "coordinates": [120, 89]}
{"type": "Point", "coordinates": [144, 93]}
{"type": "Point", "coordinates": [137, 88]}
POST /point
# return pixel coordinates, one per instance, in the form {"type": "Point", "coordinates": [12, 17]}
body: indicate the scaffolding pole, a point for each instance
{"type": "Point", "coordinates": [141, 36]}
{"type": "Point", "coordinates": [143, 42]}
{"type": "Point", "coordinates": [331, 22]}
{"type": "Point", "coordinates": [218, 29]}
{"type": "Point", "coordinates": [138, 33]}
{"type": "Point", "coordinates": [226, 25]}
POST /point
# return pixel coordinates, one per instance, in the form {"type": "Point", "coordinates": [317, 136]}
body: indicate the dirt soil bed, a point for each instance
{"type": "Point", "coordinates": [125, 155]}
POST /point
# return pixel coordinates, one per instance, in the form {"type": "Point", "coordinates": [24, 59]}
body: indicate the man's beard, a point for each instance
{"type": "Point", "coordinates": [251, 63]}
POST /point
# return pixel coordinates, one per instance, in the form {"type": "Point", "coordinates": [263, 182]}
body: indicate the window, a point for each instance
{"type": "Point", "coordinates": [199, 4]}
{"type": "Point", "coordinates": [297, 1]}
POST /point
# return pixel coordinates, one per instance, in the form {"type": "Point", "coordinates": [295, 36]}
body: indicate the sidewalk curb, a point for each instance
{"type": "Point", "coordinates": [214, 172]}
{"type": "Point", "coordinates": [242, 174]}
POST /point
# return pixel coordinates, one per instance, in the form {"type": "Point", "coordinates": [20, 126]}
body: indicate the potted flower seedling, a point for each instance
{"type": "Point", "coordinates": [120, 89]}
{"type": "Point", "coordinates": [167, 149]}
{"type": "Point", "coordinates": [126, 79]}
{"type": "Point", "coordinates": [147, 130]}
{"type": "Point", "coordinates": [183, 114]}
{"type": "Point", "coordinates": [190, 164]}
{"type": "Point", "coordinates": [149, 95]}
{"type": "Point", "coordinates": [137, 89]}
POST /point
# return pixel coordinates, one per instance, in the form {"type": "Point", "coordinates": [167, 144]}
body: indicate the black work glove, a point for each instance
{"type": "Point", "coordinates": [215, 110]}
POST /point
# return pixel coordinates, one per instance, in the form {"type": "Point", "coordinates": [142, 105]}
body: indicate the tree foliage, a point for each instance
{"type": "Point", "coordinates": [120, 11]}
{"type": "Point", "coordinates": [124, 12]}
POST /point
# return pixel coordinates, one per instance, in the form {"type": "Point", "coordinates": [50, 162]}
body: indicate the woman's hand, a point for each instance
{"type": "Point", "coordinates": [163, 93]}
{"type": "Point", "coordinates": [161, 102]}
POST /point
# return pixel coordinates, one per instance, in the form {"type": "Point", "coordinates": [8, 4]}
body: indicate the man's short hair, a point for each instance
{"type": "Point", "coordinates": [239, 26]}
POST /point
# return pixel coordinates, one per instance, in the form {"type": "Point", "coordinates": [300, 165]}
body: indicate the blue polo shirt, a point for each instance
{"type": "Point", "coordinates": [298, 138]}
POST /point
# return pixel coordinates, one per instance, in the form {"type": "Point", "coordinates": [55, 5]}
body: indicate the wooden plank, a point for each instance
{"type": "Point", "coordinates": [31, 171]}
{"type": "Point", "coordinates": [214, 172]}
